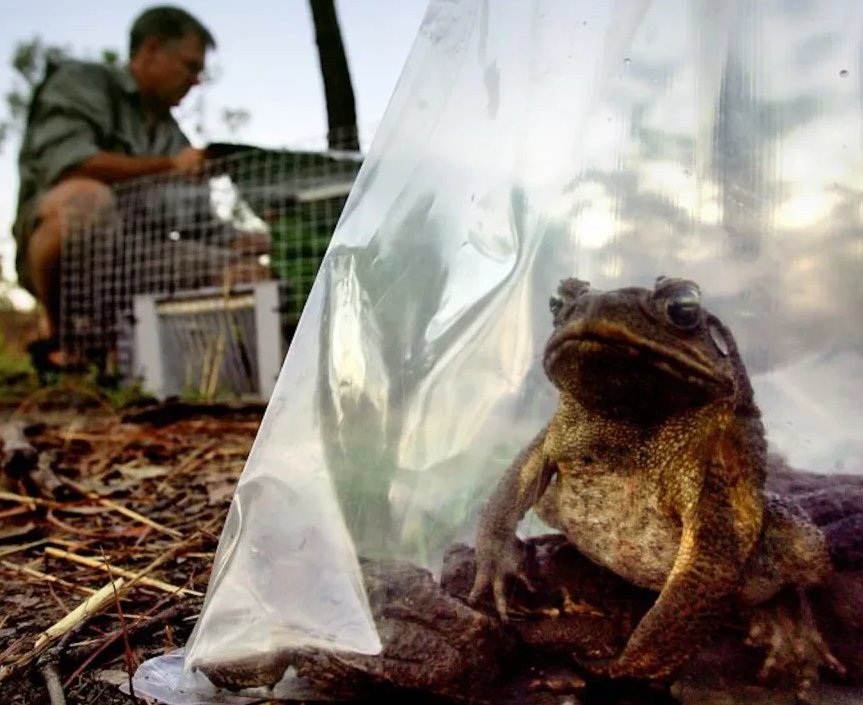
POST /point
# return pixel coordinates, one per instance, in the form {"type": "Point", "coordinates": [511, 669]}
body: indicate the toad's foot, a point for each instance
{"type": "Point", "coordinates": [567, 607]}
{"type": "Point", "coordinates": [496, 561]}
{"type": "Point", "coordinates": [796, 651]}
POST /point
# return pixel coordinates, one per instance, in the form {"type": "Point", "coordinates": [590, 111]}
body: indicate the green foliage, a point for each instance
{"type": "Point", "coordinates": [17, 103]}
{"type": "Point", "coordinates": [29, 60]}
{"type": "Point", "coordinates": [302, 236]}
{"type": "Point", "coordinates": [19, 381]}
{"type": "Point", "coordinates": [17, 376]}
{"type": "Point", "coordinates": [110, 57]}
{"type": "Point", "coordinates": [303, 226]}
{"type": "Point", "coordinates": [123, 395]}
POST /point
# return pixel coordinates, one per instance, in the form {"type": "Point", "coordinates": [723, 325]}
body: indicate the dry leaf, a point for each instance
{"type": "Point", "coordinates": [113, 676]}
{"type": "Point", "coordinates": [144, 472]}
{"type": "Point", "coordinates": [220, 492]}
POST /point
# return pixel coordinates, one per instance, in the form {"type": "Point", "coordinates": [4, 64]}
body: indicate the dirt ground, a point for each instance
{"type": "Point", "coordinates": [86, 489]}
{"type": "Point", "coordinates": [142, 493]}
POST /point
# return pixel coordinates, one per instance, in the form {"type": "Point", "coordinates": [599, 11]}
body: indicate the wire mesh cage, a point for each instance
{"type": "Point", "coordinates": [252, 215]}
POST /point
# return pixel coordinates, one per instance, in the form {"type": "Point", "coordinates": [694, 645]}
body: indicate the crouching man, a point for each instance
{"type": "Point", "coordinates": [90, 126]}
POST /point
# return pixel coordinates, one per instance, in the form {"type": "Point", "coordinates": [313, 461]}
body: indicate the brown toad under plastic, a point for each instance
{"type": "Point", "coordinates": [653, 466]}
{"type": "Point", "coordinates": [654, 469]}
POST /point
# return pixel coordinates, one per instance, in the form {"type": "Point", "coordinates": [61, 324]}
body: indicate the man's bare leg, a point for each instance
{"type": "Point", "coordinates": [74, 203]}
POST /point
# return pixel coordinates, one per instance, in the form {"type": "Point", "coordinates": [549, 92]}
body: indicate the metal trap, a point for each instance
{"type": "Point", "coordinates": [209, 343]}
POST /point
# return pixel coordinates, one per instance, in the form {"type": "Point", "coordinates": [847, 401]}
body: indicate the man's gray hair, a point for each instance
{"type": "Point", "coordinates": [167, 23]}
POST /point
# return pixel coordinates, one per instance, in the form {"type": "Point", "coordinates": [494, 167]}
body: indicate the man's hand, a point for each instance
{"type": "Point", "coordinates": [188, 161]}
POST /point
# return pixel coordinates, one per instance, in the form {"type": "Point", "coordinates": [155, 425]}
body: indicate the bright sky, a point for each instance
{"type": "Point", "coordinates": [266, 62]}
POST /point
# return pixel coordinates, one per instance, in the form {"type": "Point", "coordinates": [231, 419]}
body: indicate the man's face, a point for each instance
{"type": "Point", "coordinates": [174, 67]}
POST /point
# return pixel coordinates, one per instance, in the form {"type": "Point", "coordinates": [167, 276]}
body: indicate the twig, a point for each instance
{"type": "Point", "coordinates": [33, 573]}
{"type": "Point", "coordinates": [168, 555]}
{"type": "Point", "coordinates": [132, 576]}
{"type": "Point", "coordinates": [163, 616]}
{"type": "Point", "coordinates": [88, 607]}
{"type": "Point", "coordinates": [198, 456]}
{"type": "Point", "coordinates": [54, 654]}
{"type": "Point", "coordinates": [99, 535]}
{"type": "Point", "coordinates": [219, 357]}
{"type": "Point", "coordinates": [57, 630]}
{"type": "Point", "coordinates": [54, 596]}
{"type": "Point", "coordinates": [14, 512]}
{"type": "Point", "coordinates": [22, 547]}
{"type": "Point", "coordinates": [114, 506]}
{"type": "Point", "coordinates": [137, 517]}
{"type": "Point", "coordinates": [48, 669]}
{"type": "Point", "coordinates": [11, 649]}
{"type": "Point", "coordinates": [127, 649]}
{"type": "Point", "coordinates": [89, 437]}
{"type": "Point", "coordinates": [32, 501]}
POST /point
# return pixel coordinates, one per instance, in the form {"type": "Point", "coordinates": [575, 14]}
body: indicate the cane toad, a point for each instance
{"type": "Point", "coordinates": [653, 466]}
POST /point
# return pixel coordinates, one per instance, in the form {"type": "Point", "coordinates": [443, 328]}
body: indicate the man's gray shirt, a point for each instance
{"type": "Point", "coordinates": [80, 109]}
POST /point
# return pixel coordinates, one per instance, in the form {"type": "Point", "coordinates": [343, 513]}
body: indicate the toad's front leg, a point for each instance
{"type": "Point", "coordinates": [499, 552]}
{"type": "Point", "coordinates": [719, 532]}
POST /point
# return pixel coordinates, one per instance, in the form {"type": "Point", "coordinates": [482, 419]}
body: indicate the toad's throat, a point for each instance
{"type": "Point", "coordinates": [593, 338]}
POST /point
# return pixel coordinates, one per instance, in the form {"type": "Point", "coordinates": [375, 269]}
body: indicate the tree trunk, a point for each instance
{"type": "Point", "coordinates": [341, 109]}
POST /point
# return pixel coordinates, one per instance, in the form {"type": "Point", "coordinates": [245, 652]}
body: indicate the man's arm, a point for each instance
{"type": "Point", "coordinates": [111, 167]}
{"type": "Point", "coordinates": [70, 126]}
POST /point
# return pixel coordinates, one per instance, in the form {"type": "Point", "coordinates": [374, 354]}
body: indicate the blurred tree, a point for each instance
{"type": "Point", "coordinates": [342, 130]}
{"type": "Point", "coordinates": [235, 119]}
{"type": "Point", "coordinates": [29, 60]}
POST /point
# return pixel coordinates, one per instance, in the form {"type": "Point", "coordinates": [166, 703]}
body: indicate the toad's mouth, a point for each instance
{"type": "Point", "coordinates": [593, 339]}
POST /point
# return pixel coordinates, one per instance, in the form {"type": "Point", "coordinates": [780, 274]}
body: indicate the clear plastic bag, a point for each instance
{"type": "Point", "coordinates": [526, 143]}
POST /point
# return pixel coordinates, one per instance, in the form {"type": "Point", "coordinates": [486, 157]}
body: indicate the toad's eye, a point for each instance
{"type": "Point", "coordinates": [555, 304]}
{"type": "Point", "coordinates": [683, 307]}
